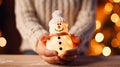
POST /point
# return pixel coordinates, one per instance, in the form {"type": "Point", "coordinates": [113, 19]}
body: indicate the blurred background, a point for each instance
{"type": "Point", "coordinates": [105, 42]}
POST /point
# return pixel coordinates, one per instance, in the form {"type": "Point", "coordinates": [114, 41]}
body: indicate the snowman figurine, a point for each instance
{"type": "Point", "coordinates": [59, 38]}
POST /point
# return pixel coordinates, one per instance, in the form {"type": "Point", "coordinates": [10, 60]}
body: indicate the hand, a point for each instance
{"type": "Point", "coordinates": [72, 54]}
{"type": "Point", "coordinates": [51, 56]}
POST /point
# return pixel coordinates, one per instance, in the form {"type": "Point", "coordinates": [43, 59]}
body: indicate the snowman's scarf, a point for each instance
{"type": "Point", "coordinates": [76, 41]}
{"type": "Point", "coordinates": [58, 34]}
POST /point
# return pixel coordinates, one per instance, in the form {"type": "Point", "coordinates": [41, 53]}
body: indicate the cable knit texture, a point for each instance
{"type": "Point", "coordinates": [33, 16]}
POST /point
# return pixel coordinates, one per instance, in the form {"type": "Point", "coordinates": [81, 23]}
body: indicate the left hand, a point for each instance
{"type": "Point", "coordinates": [72, 54]}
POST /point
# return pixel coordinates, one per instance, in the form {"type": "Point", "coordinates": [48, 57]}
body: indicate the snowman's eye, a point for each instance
{"type": "Point", "coordinates": [57, 23]}
{"type": "Point", "coordinates": [60, 23]}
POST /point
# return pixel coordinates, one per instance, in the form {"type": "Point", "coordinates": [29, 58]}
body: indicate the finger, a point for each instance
{"type": "Point", "coordinates": [71, 52]}
{"type": "Point", "coordinates": [43, 51]}
{"type": "Point", "coordinates": [68, 58]}
{"type": "Point", "coordinates": [48, 53]}
{"type": "Point", "coordinates": [53, 59]}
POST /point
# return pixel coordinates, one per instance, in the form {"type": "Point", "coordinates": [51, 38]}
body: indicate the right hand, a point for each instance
{"type": "Point", "coordinates": [51, 56]}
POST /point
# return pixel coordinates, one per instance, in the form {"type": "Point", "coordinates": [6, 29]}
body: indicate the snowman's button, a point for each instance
{"type": "Point", "coordinates": [59, 37]}
{"type": "Point", "coordinates": [60, 48]}
{"type": "Point", "coordinates": [60, 42]}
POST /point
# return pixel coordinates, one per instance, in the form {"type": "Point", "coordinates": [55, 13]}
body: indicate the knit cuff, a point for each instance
{"type": "Point", "coordinates": [34, 38]}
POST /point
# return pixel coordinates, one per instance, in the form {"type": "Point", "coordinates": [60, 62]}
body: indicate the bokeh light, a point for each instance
{"type": "Point", "coordinates": [116, 1]}
{"type": "Point", "coordinates": [115, 43]}
{"type": "Point", "coordinates": [114, 18]}
{"type": "Point", "coordinates": [118, 35]}
{"type": "Point", "coordinates": [118, 23]}
{"type": "Point", "coordinates": [98, 24]}
{"type": "Point", "coordinates": [108, 7]}
{"type": "Point", "coordinates": [95, 48]}
{"type": "Point", "coordinates": [99, 37]}
{"type": "Point", "coordinates": [2, 41]}
{"type": "Point", "coordinates": [106, 51]}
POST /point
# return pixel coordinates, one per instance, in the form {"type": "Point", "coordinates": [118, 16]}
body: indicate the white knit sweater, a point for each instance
{"type": "Point", "coordinates": [32, 17]}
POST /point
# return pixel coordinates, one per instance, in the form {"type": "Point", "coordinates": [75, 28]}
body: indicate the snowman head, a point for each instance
{"type": "Point", "coordinates": [57, 24]}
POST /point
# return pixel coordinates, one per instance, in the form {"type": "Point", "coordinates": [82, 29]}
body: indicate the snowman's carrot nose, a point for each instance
{"type": "Point", "coordinates": [58, 26]}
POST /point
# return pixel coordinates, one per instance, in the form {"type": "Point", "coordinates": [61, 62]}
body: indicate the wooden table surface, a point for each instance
{"type": "Point", "coordinates": [36, 61]}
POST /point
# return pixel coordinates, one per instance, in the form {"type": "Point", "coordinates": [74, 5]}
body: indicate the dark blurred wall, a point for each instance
{"type": "Point", "coordinates": [8, 27]}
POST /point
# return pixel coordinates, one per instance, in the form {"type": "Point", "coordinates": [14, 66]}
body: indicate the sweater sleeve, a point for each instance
{"type": "Point", "coordinates": [85, 23]}
{"type": "Point", "coordinates": [27, 22]}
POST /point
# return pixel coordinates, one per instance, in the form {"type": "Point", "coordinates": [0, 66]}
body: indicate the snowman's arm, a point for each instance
{"type": "Point", "coordinates": [44, 39]}
{"type": "Point", "coordinates": [76, 40]}
{"type": "Point", "coordinates": [27, 22]}
{"type": "Point", "coordinates": [85, 24]}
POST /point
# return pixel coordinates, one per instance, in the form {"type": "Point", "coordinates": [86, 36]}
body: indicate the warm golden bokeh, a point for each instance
{"type": "Point", "coordinates": [95, 48]}
{"type": "Point", "coordinates": [116, 1]}
{"type": "Point", "coordinates": [3, 42]}
{"type": "Point", "coordinates": [106, 51]}
{"type": "Point", "coordinates": [115, 42]}
{"type": "Point", "coordinates": [118, 36]}
{"type": "Point", "coordinates": [106, 38]}
{"type": "Point", "coordinates": [99, 37]}
{"type": "Point", "coordinates": [108, 8]}
{"type": "Point", "coordinates": [98, 24]}
{"type": "Point", "coordinates": [118, 23]}
{"type": "Point", "coordinates": [115, 18]}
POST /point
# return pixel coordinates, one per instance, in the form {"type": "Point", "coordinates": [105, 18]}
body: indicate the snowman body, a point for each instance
{"type": "Point", "coordinates": [60, 43]}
